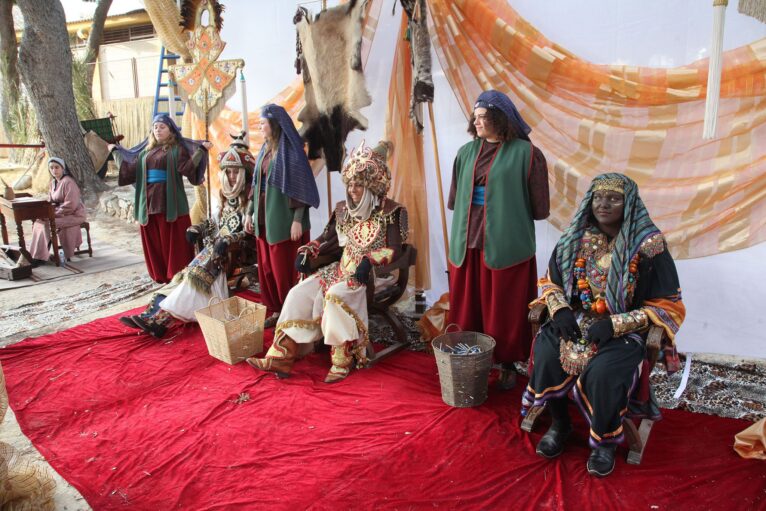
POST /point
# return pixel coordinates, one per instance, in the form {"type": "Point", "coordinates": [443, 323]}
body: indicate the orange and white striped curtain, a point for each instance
{"type": "Point", "coordinates": [408, 178]}
{"type": "Point", "coordinates": [707, 196]}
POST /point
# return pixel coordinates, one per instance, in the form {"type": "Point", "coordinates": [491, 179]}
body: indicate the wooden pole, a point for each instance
{"type": "Point", "coordinates": [329, 180]}
{"type": "Point", "coordinates": [439, 180]}
{"type": "Point", "coordinates": [207, 112]}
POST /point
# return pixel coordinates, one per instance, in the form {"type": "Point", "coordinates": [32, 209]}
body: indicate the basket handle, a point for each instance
{"type": "Point", "coordinates": [210, 302]}
{"type": "Point", "coordinates": [246, 309]}
{"type": "Point", "coordinates": [446, 329]}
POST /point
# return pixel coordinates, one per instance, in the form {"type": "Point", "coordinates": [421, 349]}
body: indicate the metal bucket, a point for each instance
{"type": "Point", "coordinates": [464, 378]}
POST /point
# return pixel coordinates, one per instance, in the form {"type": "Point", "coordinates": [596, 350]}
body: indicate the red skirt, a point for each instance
{"type": "Point", "coordinates": [166, 250]}
{"type": "Point", "coordinates": [494, 302]}
{"type": "Point", "coordinates": [276, 269]}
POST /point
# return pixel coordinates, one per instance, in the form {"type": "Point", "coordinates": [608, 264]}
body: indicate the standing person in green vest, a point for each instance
{"type": "Point", "coordinates": [499, 187]}
{"type": "Point", "coordinates": [156, 167]}
{"type": "Point", "coordinates": [283, 189]}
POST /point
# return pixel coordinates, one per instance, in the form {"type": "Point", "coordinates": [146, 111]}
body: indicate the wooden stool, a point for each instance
{"type": "Point", "coordinates": [89, 250]}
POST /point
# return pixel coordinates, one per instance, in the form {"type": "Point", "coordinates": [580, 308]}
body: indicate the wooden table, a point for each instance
{"type": "Point", "coordinates": [26, 207]}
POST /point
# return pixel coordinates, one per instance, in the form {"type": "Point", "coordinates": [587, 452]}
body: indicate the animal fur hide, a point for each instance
{"type": "Point", "coordinates": [420, 43]}
{"type": "Point", "coordinates": [754, 8]}
{"type": "Point", "coordinates": [330, 59]}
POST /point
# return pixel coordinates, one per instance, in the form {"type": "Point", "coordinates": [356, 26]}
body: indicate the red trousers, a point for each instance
{"type": "Point", "coordinates": [276, 270]}
{"type": "Point", "coordinates": [166, 250]}
{"type": "Point", "coordinates": [494, 302]}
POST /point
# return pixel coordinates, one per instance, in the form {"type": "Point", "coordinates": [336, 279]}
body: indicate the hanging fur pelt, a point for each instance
{"type": "Point", "coordinates": [754, 8]}
{"type": "Point", "coordinates": [420, 43]}
{"type": "Point", "coordinates": [330, 59]}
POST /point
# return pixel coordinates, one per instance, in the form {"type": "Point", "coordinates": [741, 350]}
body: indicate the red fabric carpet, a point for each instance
{"type": "Point", "coordinates": [136, 423]}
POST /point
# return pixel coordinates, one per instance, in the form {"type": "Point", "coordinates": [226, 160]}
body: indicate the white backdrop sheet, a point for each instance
{"type": "Point", "coordinates": [722, 293]}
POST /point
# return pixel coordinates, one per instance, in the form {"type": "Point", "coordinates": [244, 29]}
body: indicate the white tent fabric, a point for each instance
{"type": "Point", "coordinates": [723, 303]}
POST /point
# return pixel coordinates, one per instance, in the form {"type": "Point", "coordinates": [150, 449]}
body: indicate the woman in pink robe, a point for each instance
{"type": "Point", "coordinates": [70, 213]}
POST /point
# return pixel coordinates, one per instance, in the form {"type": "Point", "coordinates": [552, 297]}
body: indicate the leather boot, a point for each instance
{"type": "Point", "coordinates": [279, 359]}
{"type": "Point", "coordinates": [151, 310]}
{"type": "Point", "coordinates": [552, 442]}
{"type": "Point", "coordinates": [156, 325]}
{"type": "Point", "coordinates": [342, 359]}
{"type": "Point", "coordinates": [601, 460]}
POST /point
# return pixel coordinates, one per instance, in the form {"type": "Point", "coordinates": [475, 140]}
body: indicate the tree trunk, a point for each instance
{"type": "Point", "coordinates": [94, 40]}
{"type": "Point", "coordinates": [45, 62]}
{"type": "Point", "coordinates": [9, 74]}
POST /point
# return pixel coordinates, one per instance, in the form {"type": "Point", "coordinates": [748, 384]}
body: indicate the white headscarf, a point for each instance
{"type": "Point", "coordinates": [359, 212]}
{"type": "Point", "coordinates": [232, 192]}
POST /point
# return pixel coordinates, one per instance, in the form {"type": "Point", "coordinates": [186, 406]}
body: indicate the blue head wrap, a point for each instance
{"type": "Point", "coordinates": [190, 145]}
{"type": "Point", "coordinates": [292, 173]}
{"type": "Point", "coordinates": [499, 101]}
{"type": "Point", "coordinates": [169, 122]}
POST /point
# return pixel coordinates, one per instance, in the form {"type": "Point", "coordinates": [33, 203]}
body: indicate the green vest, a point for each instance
{"type": "Point", "coordinates": [279, 216]}
{"type": "Point", "coordinates": [176, 203]}
{"type": "Point", "coordinates": [509, 236]}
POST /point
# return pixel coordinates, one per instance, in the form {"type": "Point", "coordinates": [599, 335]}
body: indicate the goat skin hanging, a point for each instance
{"type": "Point", "coordinates": [329, 58]}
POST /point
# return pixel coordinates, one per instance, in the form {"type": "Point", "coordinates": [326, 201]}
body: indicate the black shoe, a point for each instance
{"type": "Point", "coordinates": [507, 379]}
{"type": "Point", "coordinates": [128, 321]}
{"type": "Point", "coordinates": [601, 460]}
{"type": "Point", "coordinates": [552, 442]}
{"type": "Point", "coordinates": [271, 321]}
{"type": "Point", "coordinates": [38, 262]}
{"type": "Point", "coordinates": [150, 327]}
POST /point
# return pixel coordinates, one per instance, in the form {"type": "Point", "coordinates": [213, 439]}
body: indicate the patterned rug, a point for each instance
{"type": "Point", "coordinates": [736, 390]}
{"type": "Point", "coordinates": [35, 315]}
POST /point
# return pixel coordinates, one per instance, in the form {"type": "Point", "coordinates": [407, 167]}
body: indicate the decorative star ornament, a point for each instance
{"type": "Point", "coordinates": [207, 82]}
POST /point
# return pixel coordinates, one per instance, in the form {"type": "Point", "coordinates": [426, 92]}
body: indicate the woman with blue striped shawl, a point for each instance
{"type": "Point", "coordinates": [610, 277]}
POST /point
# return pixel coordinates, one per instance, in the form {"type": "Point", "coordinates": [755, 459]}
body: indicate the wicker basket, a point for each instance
{"type": "Point", "coordinates": [233, 328]}
{"type": "Point", "coordinates": [464, 378]}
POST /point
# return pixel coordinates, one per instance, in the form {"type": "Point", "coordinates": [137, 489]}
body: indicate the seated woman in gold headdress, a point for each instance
{"type": "Point", "coordinates": [365, 231]}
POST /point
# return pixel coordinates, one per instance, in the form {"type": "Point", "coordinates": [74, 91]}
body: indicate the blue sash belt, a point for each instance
{"type": "Point", "coordinates": [478, 195]}
{"type": "Point", "coordinates": [156, 176]}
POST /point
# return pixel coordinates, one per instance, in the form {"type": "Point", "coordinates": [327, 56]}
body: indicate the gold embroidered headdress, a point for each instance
{"type": "Point", "coordinates": [368, 168]}
{"type": "Point", "coordinates": [612, 184]}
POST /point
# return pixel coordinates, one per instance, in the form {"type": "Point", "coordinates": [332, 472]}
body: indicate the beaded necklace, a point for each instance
{"type": "Point", "coordinates": [595, 247]}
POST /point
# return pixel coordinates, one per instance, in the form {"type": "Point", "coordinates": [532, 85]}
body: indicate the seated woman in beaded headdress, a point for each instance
{"type": "Point", "coordinates": [205, 277]}
{"type": "Point", "coordinates": [610, 277]}
{"type": "Point", "coordinates": [365, 231]}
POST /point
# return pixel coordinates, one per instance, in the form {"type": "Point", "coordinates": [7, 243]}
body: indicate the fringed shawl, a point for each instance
{"type": "Point", "coordinates": [636, 227]}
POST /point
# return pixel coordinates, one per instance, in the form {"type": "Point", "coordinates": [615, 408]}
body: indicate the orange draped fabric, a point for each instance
{"type": "Point", "coordinates": [408, 179]}
{"type": "Point", "coordinates": [706, 196]}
